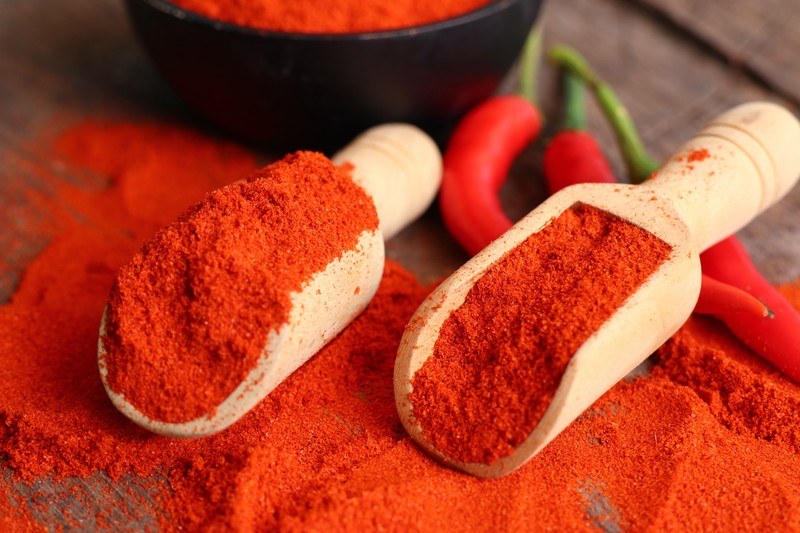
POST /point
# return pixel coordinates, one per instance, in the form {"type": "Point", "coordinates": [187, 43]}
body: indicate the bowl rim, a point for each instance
{"type": "Point", "coordinates": [169, 8]}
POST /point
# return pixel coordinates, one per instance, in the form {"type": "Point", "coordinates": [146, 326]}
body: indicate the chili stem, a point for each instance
{"type": "Point", "coordinates": [529, 65]}
{"type": "Point", "coordinates": [574, 104]}
{"type": "Point", "coordinates": [640, 164]}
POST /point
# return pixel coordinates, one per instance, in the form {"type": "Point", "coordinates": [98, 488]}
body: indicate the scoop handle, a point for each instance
{"type": "Point", "coordinates": [400, 166]}
{"type": "Point", "coordinates": [743, 162]}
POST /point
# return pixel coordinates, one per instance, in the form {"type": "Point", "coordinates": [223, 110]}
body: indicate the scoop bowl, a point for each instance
{"type": "Point", "coordinates": [749, 162]}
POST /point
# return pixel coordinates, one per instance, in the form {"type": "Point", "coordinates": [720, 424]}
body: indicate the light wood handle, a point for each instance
{"type": "Point", "coordinates": [753, 153]}
{"type": "Point", "coordinates": [400, 166]}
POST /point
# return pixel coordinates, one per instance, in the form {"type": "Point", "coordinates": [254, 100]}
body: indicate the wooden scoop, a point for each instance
{"type": "Point", "coordinates": [400, 167]}
{"type": "Point", "coordinates": [754, 161]}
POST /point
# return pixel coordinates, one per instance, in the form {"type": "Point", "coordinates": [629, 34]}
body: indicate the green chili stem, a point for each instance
{"type": "Point", "coordinates": [529, 65]}
{"type": "Point", "coordinates": [574, 104]}
{"type": "Point", "coordinates": [640, 165]}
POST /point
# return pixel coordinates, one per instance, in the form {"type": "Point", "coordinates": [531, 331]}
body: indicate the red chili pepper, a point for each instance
{"type": "Point", "coordinates": [777, 339]}
{"type": "Point", "coordinates": [723, 300]}
{"type": "Point", "coordinates": [476, 163]}
{"type": "Point", "coordinates": [640, 164]}
{"type": "Point", "coordinates": [573, 156]}
{"type": "Point", "coordinates": [733, 290]}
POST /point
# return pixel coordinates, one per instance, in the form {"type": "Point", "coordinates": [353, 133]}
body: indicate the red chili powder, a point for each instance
{"type": "Point", "coordinates": [711, 440]}
{"type": "Point", "coordinates": [189, 316]}
{"type": "Point", "coordinates": [499, 357]}
{"type": "Point", "coordinates": [698, 155]}
{"type": "Point", "coordinates": [331, 16]}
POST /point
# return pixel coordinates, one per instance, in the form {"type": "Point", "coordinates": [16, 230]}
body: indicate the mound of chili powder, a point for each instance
{"type": "Point", "coordinates": [331, 16]}
{"type": "Point", "coordinates": [188, 317]}
{"type": "Point", "coordinates": [709, 441]}
{"type": "Point", "coordinates": [499, 357]}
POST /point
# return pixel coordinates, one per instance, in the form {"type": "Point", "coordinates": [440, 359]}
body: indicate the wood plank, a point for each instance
{"type": "Point", "coordinates": [761, 36]}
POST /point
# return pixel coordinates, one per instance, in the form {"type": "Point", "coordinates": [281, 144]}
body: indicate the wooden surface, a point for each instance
{"type": "Point", "coordinates": [676, 63]}
{"type": "Point", "coordinates": [759, 37]}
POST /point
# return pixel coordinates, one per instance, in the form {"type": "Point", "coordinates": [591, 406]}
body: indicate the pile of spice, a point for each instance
{"type": "Point", "coordinates": [330, 16]}
{"type": "Point", "coordinates": [709, 440]}
{"type": "Point", "coordinates": [189, 316]}
{"type": "Point", "coordinates": [478, 396]}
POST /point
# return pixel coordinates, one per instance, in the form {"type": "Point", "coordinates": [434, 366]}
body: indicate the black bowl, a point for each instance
{"type": "Point", "coordinates": [314, 91]}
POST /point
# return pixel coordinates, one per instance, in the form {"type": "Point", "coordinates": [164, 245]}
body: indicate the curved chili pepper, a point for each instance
{"type": "Point", "coordinates": [476, 163]}
{"type": "Point", "coordinates": [776, 337]}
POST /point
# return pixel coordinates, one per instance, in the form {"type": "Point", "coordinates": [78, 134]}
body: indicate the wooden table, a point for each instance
{"type": "Point", "coordinates": [676, 63]}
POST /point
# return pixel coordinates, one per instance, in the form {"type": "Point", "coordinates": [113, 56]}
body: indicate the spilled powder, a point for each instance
{"type": "Point", "coordinates": [709, 441]}
{"type": "Point", "coordinates": [698, 155]}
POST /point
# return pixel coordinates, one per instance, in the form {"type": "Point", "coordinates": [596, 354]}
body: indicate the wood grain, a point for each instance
{"type": "Point", "coordinates": [758, 36]}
